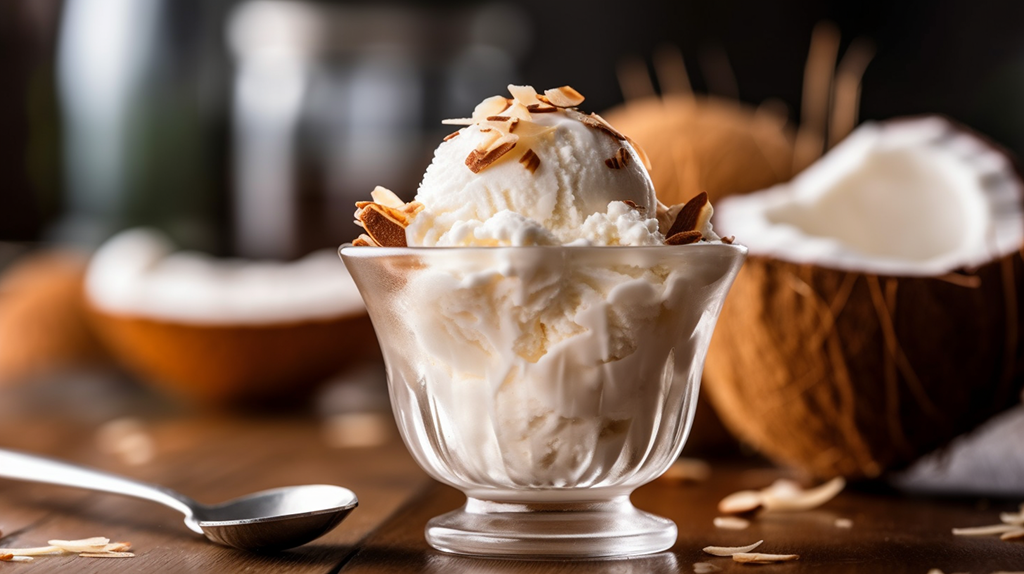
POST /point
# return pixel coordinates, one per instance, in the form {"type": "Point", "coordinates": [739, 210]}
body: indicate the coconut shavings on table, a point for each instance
{"type": "Point", "coordinates": [96, 547]}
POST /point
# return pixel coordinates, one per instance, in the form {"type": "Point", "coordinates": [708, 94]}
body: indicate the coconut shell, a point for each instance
{"type": "Point", "coordinates": [842, 373]}
{"type": "Point", "coordinates": [222, 365]}
{"type": "Point", "coordinates": [43, 328]}
{"type": "Point", "coordinates": [706, 144]}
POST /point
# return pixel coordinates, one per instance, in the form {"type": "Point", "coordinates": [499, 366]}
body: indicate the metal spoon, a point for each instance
{"type": "Point", "coordinates": [269, 520]}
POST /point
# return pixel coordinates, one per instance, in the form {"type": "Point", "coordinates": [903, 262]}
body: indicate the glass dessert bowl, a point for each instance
{"type": "Point", "coordinates": [546, 383]}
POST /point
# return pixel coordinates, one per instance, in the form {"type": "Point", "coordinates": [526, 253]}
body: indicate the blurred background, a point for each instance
{"type": "Point", "coordinates": [248, 128]}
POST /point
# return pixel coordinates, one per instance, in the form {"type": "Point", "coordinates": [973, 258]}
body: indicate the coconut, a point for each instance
{"type": "Point", "coordinates": [218, 332]}
{"type": "Point", "coordinates": [43, 327]}
{"type": "Point", "coordinates": [877, 316]}
{"type": "Point", "coordinates": [706, 144]}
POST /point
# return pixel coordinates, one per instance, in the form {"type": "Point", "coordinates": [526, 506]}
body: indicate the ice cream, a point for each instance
{"type": "Point", "coordinates": [551, 369]}
{"type": "Point", "coordinates": [525, 171]}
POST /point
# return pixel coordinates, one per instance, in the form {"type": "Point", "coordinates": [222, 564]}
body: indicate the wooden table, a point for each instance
{"type": "Point", "coordinates": [216, 457]}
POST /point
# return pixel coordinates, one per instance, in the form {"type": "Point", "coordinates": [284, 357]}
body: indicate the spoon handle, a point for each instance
{"type": "Point", "coordinates": [20, 466]}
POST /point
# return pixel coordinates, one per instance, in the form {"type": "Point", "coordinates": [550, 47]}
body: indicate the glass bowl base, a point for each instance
{"type": "Point", "coordinates": [603, 529]}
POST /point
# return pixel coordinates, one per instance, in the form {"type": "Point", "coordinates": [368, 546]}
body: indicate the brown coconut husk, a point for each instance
{"type": "Point", "coordinates": [707, 144]}
{"type": "Point", "coordinates": [846, 374]}
{"type": "Point", "coordinates": [43, 327]}
{"type": "Point", "coordinates": [236, 365]}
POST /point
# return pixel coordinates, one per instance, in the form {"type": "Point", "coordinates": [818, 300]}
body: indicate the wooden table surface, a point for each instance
{"type": "Point", "coordinates": [214, 457]}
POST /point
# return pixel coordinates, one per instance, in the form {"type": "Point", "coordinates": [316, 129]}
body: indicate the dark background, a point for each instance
{"type": "Point", "coordinates": [964, 59]}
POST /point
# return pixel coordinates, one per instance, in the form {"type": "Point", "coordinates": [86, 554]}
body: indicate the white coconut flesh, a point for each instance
{"type": "Point", "coordinates": [914, 197]}
{"type": "Point", "coordinates": [138, 273]}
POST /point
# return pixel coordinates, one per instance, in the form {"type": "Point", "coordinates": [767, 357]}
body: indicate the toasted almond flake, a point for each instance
{"type": "Point", "coordinates": [36, 551]}
{"type": "Point", "coordinates": [519, 111]}
{"type": "Point", "coordinates": [452, 136]}
{"type": "Point", "coordinates": [729, 239]}
{"type": "Point", "coordinates": [705, 568]}
{"type": "Point", "coordinates": [525, 95]}
{"type": "Point", "coordinates": [989, 530]}
{"type": "Point", "coordinates": [563, 97]}
{"type": "Point", "coordinates": [641, 152]}
{"type": "Point", "coordinates": [1013, 535]}
{"type": "Point", "coordinates": [1012, 517]}
{"type": "Point", "coordinates": [689, 216]}
{"type": "Point", "coordinates": [107, 555]}
{"type": "Point", "coordinates": [731, 550]}
{"type": "Point", "coordinates": [843, 523]}
{"type": "Point", "coordinates": [478, 161]}
{"type": "Point", "coordinates": [491, 106]}
{"type": "Point", "coordinates": [597, 122]}
{"type": "Point", "coordinates": [458, 121]}
{"type": "Point", "coordinates": [364, 240]}
{"type": "Point", "coordinates": [731, 523]}
{"type": "Point", "coordinates": [14, 558]}
{"type": "Point", "coordinates": [620, 160]}
{"type": "Point", "coordinates": [382, 225]}
{"type": "Point", "coordinates": [684, 238]}
{"type": "Point", "coordinates": [541, 108]}
{"type": "Point", "coordinates": [740, 502]}
{"type": "Point", "coordinates": [530, 161]}
{"type": "Point", "coordinates": [96, 544]}
{"type": "Point", "coordinates": [118, 547]}
{"type": "Point", "coordinates": [386, 197]}
{"type": "Point", "coordinates": [778, 499]}
{"type": "Point", "coordinates": [754, 558]}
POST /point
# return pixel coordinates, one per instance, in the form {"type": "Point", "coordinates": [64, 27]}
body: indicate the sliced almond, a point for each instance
{"type": "Point", "coordinates": [740, 502]}
{"type": "Point", "coordinates": [97, 544]}
{"type": "Point", "coordinates": [1013, 535]}
{"type": "Point", "coordinates": [642, 153]}
{"type": "Point", "coordinates": [36, 551]}
{"type": "Point", "coordinates": [705, 568]}
{"type": "Point", "coordinates": [619, 161]}
{"type": "Point", "coordinates": [634, 205]}
{"type": "Point", "coordinates": [754, 558]}
{"type": "Point", "coordinates": [525, 95]}
{"type": "Point", "coordinates": [478, 161]}
{"type": "Point", "coordinates": [1012, 517]}
{"type": "Point", "coordinates": [541, 108]}
{"type": "Point", "coordinates": [386, 197]}
{"type": "Point", "coordinates": [729, 239]}
{"type": "Point", "coordinates": [985, 530]}
{"type": "Point", "coordinates": [519, 111]}
{"type": "Point", "coordinates": [382, 226]}
{"type": "Point", "coordinates": [118, 547]}
{"type": "Point", "coordinates": [458, 121]}
{"type": "Point", "coordinates": [731, 523]}
{"type": "Point", "coordinates": [530, 161]}
{"type": "Point", "coordinates": [802, 499]}
{"type": "Point", "coordinates": [684, 238]}
{"type": "Point", "coordinates": [364, 240]}
{"type": "Point", "coordinates": [731, 550]}
{"type": "Point", "coordinates": [690, 215]}
{"type": "Point", "coordinates": [491, 106]}
{"type": "Point", "coordinates": [563, 97]}
{"type": "Point", "coordinates": [597, 122]}
{"type": "Point", "coordinates": [107, 555]}
{"type": "Point", "coordinates": [452, 136]}
{"type": "Point", "coordinates": [14, 558]}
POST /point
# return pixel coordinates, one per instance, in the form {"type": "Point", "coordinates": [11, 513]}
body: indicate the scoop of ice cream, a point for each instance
{"type": "Point", "coordinates": [521, 177]}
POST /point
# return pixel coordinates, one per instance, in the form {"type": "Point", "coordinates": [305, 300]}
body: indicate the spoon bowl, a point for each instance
{"type": "Point", "coordinates": [276, 519]}
{"type": "Point", "coordinates": [270, 520]}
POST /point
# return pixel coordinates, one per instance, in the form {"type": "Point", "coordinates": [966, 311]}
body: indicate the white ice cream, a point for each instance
{"type": "Point", "coordinates": [507, 204]}
{"type": "Point", "coordinates": [547, 368]}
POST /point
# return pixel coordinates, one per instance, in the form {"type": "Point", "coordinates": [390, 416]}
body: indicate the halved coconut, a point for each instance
{"type": "Point", "coordinates": [707, 144]}
{"type": "Point", "coordinates": [218, 332]}
{"type": "Point", "coordinates": [877, 316]}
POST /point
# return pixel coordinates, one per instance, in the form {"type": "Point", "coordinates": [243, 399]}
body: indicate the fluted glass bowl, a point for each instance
{"type": "Point", "coordinates": [546, 383]}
